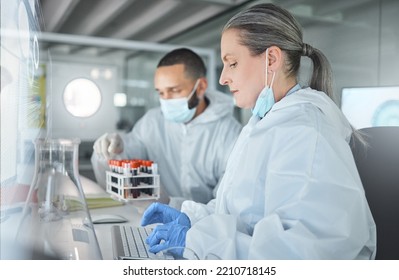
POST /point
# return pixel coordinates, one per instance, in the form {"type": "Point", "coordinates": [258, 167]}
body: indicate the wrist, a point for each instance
{"type": "Point", "coordinates": [184, 220]}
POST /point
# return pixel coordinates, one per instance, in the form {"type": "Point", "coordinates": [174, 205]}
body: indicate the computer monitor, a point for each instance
{"type": "Point", "coordinates": [371, 106]}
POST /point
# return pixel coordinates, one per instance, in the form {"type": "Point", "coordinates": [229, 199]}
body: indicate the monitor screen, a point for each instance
{"type": "Point", "coordinates": [371, 106]}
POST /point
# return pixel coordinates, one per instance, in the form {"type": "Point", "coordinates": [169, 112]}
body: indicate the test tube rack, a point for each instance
{"type": "Point", "coordinates": [133, 187]}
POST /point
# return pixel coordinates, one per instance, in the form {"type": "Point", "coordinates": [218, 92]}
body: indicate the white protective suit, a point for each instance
{"type": "Point", "coordinates": [291, 190]}
{"type": "Point", "coordinates": [191, 157]}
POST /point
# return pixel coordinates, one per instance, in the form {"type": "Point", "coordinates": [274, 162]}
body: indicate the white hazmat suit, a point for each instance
{"type": "Point", "coordinates": [191, 157]}
{"type": "Point", "coordinates": [291, 190]}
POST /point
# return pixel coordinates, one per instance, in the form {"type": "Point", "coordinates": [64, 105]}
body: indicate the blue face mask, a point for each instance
{"type": "Point", "coordinates": [265, 99]}
{"type": "Point", "coordinates": [177, 109]}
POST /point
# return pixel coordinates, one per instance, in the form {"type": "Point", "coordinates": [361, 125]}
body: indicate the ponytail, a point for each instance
{"type": "Point", "coordinates": [321, 79]}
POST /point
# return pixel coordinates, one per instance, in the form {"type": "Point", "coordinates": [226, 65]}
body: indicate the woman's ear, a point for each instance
{"type": "Point", "coordinates": [274, 59]}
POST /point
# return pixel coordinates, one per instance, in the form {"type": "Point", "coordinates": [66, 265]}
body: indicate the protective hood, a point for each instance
{"type": "Point", "coordinates": [220, 105]}
{"type": "Point", "coordinates": [324, 103]}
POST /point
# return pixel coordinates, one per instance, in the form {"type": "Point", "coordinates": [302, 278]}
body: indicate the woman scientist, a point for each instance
{"type": "Point", "coordinates": [291, 188]}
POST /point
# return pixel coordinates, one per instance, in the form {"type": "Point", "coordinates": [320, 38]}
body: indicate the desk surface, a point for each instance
{"type": "Point", "coordinates": [132, 211]}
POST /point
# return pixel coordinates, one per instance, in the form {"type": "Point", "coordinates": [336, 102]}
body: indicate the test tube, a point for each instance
{"type": "Point", "coordinates": [126, 180]}
{"type": "Point", "coordinates": [150, 179]}
{"type": "Point", "coordinates": [111, 165]}
{"type": "Point", "coordinates": [119, 165]}
{"type": "Point", "coordinates": [135, 167]}
{"type": "Point", "coordinates": [114, 169]}
{"type": "Point", "coordinates": [126, 168]}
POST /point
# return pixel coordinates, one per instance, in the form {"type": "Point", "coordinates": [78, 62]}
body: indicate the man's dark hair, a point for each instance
{"type": "Point", "coordinates": [193, 64]}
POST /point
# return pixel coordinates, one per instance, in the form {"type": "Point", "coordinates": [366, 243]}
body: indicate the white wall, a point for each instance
{"type": "Point", "coordinates": [62, 124]}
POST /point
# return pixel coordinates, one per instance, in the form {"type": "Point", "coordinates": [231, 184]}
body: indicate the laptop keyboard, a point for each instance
{"type": "Point", "coordinates": [129, 242]}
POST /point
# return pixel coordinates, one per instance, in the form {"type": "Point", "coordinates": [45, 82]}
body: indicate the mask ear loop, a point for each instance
{"type": "Point", "coordinates": [194, 89]}
{"type": "Point", "coordinates": [193, 103]}
{"type": "Point", "coordinates": [271, 83]}
{"type": "Point", "coordinates": [267, 65]}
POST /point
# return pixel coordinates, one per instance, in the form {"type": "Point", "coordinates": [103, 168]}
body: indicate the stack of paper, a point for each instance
{"type": "Point", "coordinates": [101, 201]}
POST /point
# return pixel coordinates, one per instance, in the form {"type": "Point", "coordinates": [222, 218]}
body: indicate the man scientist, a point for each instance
{"type": "Point", "coordinates": [189, 136]}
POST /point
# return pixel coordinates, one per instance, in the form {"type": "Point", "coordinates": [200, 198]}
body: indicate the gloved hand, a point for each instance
{"type": "Point", "coordinates": [161, 213]}
{"type": "Point", "coordinates": [173, 234]}
{"type": "Point", "coordinates": [108, 145]}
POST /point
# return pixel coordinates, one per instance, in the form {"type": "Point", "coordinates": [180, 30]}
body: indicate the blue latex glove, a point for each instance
{"type": "Point", "coordinates": [161, 213]}
{"type": "Point", "coordinates": [173, 235]}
